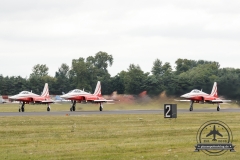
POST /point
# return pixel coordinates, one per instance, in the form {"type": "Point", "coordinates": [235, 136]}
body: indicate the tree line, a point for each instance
{"type": "Point", "coordinates": [85, 72]}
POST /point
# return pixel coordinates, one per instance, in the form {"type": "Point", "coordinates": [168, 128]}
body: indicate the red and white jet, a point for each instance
{"type": "Point", "coordinates": [27, 97]}
{"type": "Point", "coordinates": [197, 96]}
{"type": "Point", "coordinates": [78, 95]}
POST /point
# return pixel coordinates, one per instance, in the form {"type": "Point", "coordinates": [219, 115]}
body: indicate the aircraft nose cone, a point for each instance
{"type": "Point", "coordinates": [184, 96]}
{"type": "Point", "coordinates": [63, 96]}
{"type": "Point", "coordinates": [12, 97]}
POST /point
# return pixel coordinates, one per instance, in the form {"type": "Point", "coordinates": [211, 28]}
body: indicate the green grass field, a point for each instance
{"type": "Point", "coordinates": [148, 136]}
{"type": "Point", "coordinates": [108, 136]}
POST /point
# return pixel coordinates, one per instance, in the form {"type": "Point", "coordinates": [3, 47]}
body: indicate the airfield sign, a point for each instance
{"type": "Point", "coordinates": [170, 110]}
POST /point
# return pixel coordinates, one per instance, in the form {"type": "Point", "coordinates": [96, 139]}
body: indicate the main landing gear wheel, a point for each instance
{"type": "Point", "coordinates": [22, 109]}
{"type": "Point", "coordinates": [71, 109]}
{"type": "Point", "coordinates": [19, 110]}
{"type": "Point", "coordinates": [48, 109]}
{"type": "Point", "coordinates": [191, 108]}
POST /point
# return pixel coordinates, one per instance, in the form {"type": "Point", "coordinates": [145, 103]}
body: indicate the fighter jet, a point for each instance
{"type": "Point", "coordinates": [78, 95]}
{"type": "Point", "coordinates": [26, 97]}
{"type": "Point", "coordinates": [198, 96]}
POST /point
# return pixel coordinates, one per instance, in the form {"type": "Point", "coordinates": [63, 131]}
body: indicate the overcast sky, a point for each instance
{"type": "Point", "coordinates": [53, 32]}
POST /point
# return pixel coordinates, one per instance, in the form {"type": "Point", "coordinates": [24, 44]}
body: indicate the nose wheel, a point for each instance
{"type": "Point", "coordinates": [101, 107]}
{"type": "Point", "coordinates": [21, 107]}
{"type": "Point", "coordinates": [218, 108]}
{"type": "Point", "coordinates": [191, 106]}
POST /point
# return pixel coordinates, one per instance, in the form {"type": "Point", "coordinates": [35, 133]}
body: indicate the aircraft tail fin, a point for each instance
{"type": "Point", "coordinates": [214, 92]}
{"type": "Point", "coordinates": [97, 91]}
{"type": "Point", "coordinates": [45, 92]}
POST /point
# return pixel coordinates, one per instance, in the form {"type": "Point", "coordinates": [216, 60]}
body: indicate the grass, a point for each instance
{"type": "Point", "coordinates": [148, 136]}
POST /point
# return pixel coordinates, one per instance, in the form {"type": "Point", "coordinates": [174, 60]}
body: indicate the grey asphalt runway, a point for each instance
{"type": "Point", "coordinates": [76, 113]}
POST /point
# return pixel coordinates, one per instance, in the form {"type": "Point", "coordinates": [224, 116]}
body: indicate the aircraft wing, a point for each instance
{"type": "Point", "coordinates": [221, 101]}
{"type": "Point", "coordinates": [103, 100]}
{"type": "Point", "coordinates": [182, 100]}
{"type": "Point", "coordinates": [42, 100]}
{"type": "Point", "coordinates": [47, 101]}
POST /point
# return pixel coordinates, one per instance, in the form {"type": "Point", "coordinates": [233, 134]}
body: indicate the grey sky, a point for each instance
{"type": "Point", "coordinates": [53, 32]}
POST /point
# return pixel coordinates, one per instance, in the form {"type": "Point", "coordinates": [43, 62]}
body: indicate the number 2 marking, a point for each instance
{"type": "Point", "coordinates": [169, 108]}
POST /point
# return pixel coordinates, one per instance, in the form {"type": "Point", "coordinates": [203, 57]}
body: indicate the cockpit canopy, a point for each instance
{"type": "Point", "coordinates": [24, 92]}
{"type": "Point", "coordinates": [195, 91]}
{"type": "Point", "coordinates": [75, 91]}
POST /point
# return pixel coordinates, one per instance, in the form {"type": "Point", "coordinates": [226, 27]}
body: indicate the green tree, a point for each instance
{"type": "Point", "coordinates": [79, 74]}
{"type": "Point", "coordinates": [200, 77]}
{"type": "Point", "coordinates": [153, 85]}
{"type": "Point", "coordinates": [157, 68]}
{"type": "Point", "coordinates": [166, 68]}
{"type": "Point", "coordinates": [228, 83]}
{"type": "Point", "coordinates": [62, 79]}
{"type": "Point", "coordinates": [97, 67]}
{"type": "Point", "coordinates": [39, 77]}
{"type": "Point", "coordinates": [102, 60]}
{"type": "Point", "coordinates": [134, 80]}
{"type": "Point", "coordinates": [117, 83]}
{"type": "Point", "coordinates": [39, 70]}
{"type": "Point", "coordinates": [183, 65]}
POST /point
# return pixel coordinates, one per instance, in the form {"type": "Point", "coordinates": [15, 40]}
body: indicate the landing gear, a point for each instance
{"type": "Point", "coordinates": [73, 106]}
{"type": "Point", "coordinates": [48, 108]}
{"type": "Point", "coordinates": [191, 106]}
{"type": "Point", "coordinates": [218, 107]}
{"type": "Point", "coordinates": [101, 107]}
{"type": "Point", "coordinates": [21, 107]}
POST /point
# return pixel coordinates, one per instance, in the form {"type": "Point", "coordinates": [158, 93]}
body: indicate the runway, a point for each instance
{"type": "Point", "coordinates": [113, 112]}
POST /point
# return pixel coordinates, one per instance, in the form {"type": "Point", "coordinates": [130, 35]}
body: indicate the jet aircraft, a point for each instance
{"type": "Point", "coordinates": [78, 95]}
{"type": "Point", "coordinates": [26, 97]}
{"type": "Point", "coordinates": [197, 96]}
